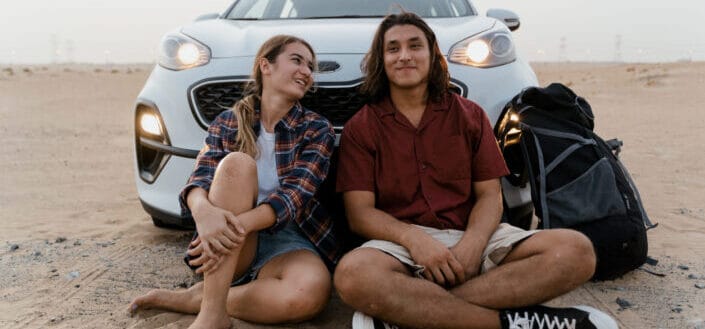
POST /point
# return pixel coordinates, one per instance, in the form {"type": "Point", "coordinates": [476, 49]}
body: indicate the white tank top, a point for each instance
{"type": "Point", "coordinates": [266, 165]}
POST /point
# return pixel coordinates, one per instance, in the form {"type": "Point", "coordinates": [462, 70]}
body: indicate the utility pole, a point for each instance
{"type": "Point", "coordinates": [618, 48]}
{"type": "Point", "coordinates": [54, 44]}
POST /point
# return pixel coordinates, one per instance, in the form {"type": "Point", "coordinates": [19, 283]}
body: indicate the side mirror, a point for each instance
{"type": "Point", "coordinates": [206, 17]}
{"type": "Point", "coordinates": [507, 17]}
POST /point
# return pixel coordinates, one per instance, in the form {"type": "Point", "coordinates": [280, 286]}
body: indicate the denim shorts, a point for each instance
{"type": "Point", "coordinates": [269, 245]}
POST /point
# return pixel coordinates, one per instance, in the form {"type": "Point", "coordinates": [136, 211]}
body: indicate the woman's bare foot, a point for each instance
{"type": "Point", "coordinates": [149, 300]}
{"type": "Point", "coordinates": [184, 301]}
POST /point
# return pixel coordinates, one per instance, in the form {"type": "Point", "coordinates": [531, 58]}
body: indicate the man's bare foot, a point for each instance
{"type": "Point", "coordinates": [209, 321]}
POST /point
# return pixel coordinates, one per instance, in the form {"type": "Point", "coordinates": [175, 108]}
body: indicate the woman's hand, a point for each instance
{"type": "Point", "coordinates": [219, 230]}
{"type": "Point", "coordinates": [199, 258]}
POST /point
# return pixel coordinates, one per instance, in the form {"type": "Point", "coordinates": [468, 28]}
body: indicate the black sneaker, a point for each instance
{"type": "Point", "coordinates": [542, 317]}
{"type": "Point", "coordinates": [363, 321]}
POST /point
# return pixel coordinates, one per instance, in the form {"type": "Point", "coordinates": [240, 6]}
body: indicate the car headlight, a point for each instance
{"type": "Point", "coordinates": [488, 49]}
{"type": "Point", "coordinates": [149, 123]}
{"type": "Point", "coordinates": [180, 52]}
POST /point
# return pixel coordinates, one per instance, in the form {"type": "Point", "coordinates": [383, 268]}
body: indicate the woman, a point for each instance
{"type": "Point", "coordinates": [251, 197]}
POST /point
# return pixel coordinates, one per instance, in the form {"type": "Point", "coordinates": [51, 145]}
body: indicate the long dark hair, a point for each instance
{"type": "Point", "coordinates": [246, 139]}
{"type": "Point", "coordinates": [376, 83]}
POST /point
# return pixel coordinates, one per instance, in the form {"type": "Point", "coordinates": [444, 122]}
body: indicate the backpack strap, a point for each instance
{"type": "Point", "coordinates": [541, 192]}
{"type": "Point", "coordinates": [647, 221]}
{"type": "Point", "coordinates": [546, 221]}
{"type": "Point", "coordinates": [581, 141]}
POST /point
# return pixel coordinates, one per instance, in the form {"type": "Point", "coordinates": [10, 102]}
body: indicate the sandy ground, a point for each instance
{"type": "Point", "coordinates": [76, 247]}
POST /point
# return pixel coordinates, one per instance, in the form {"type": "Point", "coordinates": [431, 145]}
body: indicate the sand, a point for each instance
{"type": "Point", "coordinates": [76, 247]}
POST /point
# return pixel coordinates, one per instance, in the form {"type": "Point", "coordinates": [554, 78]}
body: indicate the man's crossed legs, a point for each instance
{"type": "Point", "coordinates": [540, 267]}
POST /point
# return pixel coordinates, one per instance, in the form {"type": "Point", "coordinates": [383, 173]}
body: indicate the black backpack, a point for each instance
{"type": "Point", "coordinates": [576, 178]}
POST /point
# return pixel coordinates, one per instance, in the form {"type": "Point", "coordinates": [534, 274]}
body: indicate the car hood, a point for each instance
{"type": "Point", "coordinates": [232, 38]}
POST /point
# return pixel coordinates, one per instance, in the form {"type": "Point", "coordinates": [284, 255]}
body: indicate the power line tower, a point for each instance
{"type": "Point", "coordinates": [562, 48]}
{"type": "Point", "coordinates": [54, 44]}
{"type": "Point", "coordinates": [68, 44]}
{"type": "Point", "coordinates": [618, 48]}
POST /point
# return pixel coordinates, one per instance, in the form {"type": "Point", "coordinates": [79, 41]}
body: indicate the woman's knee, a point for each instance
{"type": "Point", "coordinates": [236, 175]}
{"type": "Point", "coordinates": [237, 164]}
{"type": "Point", "coordinates": [306, 297]}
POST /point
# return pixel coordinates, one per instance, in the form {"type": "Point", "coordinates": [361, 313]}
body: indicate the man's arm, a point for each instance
{"type": "Point", "coordinates": [441, 266]}
{"type": "Point", "coordinates": [370, 222]}
{"type": "Point", "coordinates": [482, 223]}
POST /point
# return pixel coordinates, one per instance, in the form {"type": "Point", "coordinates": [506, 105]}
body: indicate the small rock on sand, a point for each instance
{"type": "Point", "coordinates": [623, 303]}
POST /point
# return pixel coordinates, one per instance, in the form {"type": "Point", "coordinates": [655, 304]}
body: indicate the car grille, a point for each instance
{"type": "Point", "coordinates": [337, 103]}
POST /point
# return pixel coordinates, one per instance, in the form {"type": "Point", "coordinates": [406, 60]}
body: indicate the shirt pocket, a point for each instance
{"type": "Point", "coordinates": [451, 158]}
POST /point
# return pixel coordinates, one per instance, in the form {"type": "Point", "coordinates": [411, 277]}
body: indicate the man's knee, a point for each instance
{"type": "Point", "coordinates": [345, 273]}
{"type": "Point", "coordinates": [354, 273]}
{"type": "Point", "coordinates": [575, 251]}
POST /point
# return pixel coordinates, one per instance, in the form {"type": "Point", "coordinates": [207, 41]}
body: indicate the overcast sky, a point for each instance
{"type": "Point", "coordinates": [118, 31]}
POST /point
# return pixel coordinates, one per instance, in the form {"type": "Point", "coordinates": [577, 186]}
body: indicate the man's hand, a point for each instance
{"type": "Point", "coordinates": [441, 265]}
{"type": "Point", "coordinates": [469, 254]}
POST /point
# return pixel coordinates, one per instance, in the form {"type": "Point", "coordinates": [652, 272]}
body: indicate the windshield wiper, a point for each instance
{"type": "Point", "coordinates": [244, 19]}
{"type": "Point", "coordinates": [342, 16]}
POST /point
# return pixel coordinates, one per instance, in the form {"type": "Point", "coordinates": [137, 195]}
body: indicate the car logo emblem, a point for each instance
{"type": "Point", "coordinates": [327, 66]}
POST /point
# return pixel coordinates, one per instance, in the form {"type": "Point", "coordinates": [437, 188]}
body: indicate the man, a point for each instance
{"type": "Point", "coordinates": [420, 169]}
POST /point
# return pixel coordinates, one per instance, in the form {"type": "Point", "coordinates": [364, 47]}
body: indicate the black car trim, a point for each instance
{"type": "Point", "coordinates": [463, 88]}
{"type": "Point", "coordinates": [147, 177]}
{"type": "Point", "coordinates": [241, 78]}
{"type": "Point", "coordinates": [192, 101]}
{"type": "Point", "coordinates": [162, 218]}
{"type": "Point", "coordinates": [172, 150]}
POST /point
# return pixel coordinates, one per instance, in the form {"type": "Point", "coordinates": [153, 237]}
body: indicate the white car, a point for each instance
{"type": "Point", "coordinates": [203, 66]}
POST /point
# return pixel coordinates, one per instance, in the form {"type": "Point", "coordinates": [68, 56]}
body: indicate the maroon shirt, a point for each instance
{"type": "Point", "coordinates": [420, 175]}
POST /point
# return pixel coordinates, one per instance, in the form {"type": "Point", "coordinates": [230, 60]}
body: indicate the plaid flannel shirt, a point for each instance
{"type": "Point", "coordinates": [304, 143]}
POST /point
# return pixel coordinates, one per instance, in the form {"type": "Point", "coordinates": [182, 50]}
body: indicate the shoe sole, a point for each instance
{"type": "Point", "coordinates": [599, 319]}
{"type": "Point", "coordinates": [362, 321]}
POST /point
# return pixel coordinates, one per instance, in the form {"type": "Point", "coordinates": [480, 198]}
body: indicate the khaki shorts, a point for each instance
{"type": "Point", "coordinates": [498, 247]}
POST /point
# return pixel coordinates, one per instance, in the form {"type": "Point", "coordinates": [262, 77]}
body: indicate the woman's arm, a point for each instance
{"type": "Point", "coordinates": [309, 170]}
{"type": "Point", "coordinates": [217, 228]}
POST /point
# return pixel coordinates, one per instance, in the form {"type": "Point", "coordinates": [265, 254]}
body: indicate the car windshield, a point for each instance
{"type": "Point", "coordinates": [311, 9]}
